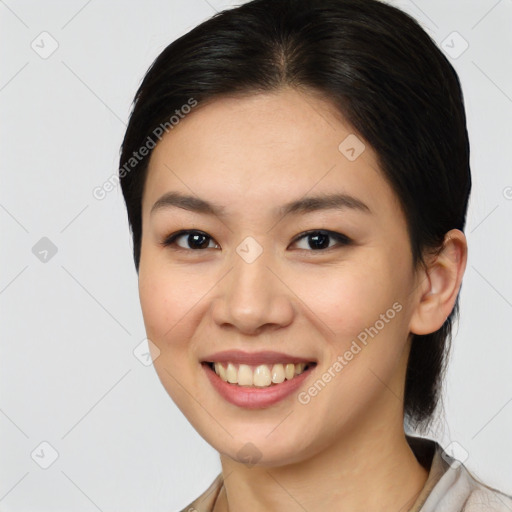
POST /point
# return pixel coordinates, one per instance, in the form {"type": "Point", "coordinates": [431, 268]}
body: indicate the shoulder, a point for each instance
{"type": "Point", "coordinates": [206, 501]}
{"type": "Point", "coordinates": [459, 490]}
{"type": "Point", "coordinates": [485, 498]}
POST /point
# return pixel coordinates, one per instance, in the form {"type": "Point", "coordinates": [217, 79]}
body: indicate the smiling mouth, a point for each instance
{"type": "Point", "coordinates": [258, 376]}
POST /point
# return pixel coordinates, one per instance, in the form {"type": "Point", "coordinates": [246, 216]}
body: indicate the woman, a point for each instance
{"type": "Point", "coordinates": [296, 175]}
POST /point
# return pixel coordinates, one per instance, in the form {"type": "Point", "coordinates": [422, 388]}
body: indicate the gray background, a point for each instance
{"type": "Point", "coordinates": [70, 321]}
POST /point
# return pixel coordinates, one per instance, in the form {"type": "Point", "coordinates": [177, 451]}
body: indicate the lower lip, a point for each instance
{"type": "Point", "coordinates": [253, 397]}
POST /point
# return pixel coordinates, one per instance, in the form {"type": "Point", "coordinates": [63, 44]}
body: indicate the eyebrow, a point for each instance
{"type": "Point", "coordinates": [299, 206]}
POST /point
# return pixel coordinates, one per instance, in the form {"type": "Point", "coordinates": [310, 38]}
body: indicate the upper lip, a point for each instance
{"type": "Point", "coordinates": [254, 358]}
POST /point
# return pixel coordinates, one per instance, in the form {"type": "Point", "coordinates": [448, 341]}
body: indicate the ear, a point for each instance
{"type": "Point", "coordinates": [439, 283]}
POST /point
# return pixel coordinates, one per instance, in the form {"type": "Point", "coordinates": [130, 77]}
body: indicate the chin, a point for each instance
{"type": "Point", "coordinates": [258, 448]}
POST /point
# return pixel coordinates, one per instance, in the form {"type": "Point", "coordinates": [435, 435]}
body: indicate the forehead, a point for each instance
{"type": "Point", "coordinates": [263, 148]}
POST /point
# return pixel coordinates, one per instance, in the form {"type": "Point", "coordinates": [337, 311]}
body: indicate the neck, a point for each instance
{"type": "Point", "coordinates": [368, 469]}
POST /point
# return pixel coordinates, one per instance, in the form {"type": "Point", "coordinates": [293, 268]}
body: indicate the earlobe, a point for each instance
{"type": "Point", "coordinates": [440, 284]}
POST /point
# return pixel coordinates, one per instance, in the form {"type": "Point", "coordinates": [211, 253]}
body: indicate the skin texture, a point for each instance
{"type": "Point", "coordinates": [252, 154]}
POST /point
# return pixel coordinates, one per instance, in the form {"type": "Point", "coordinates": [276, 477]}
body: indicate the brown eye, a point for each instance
{"type": "Point", "coordinates": [193, 240]}
{"type": "Point", "coordinates": [319, 240]}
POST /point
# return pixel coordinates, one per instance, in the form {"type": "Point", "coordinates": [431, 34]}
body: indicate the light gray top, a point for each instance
{"type": "Point", "coordinates": [450, 487]}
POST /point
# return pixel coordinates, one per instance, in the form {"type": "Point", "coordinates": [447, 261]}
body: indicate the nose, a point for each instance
{"type": "Point", "coordinates": [253, 296]}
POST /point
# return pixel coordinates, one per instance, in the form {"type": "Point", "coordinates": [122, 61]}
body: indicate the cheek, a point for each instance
{"type": "Point", "coordinates": [348, 300]}
{"type": "Point", "coordinates": [170, 305]}
{"type": "Point", "coordinates": [364, 318]}
{"type": "Point", "coordinates": [167, 299]}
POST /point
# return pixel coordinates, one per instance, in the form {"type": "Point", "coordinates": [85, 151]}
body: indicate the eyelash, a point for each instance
{"type": "Point", "coordinates": [342, 239]}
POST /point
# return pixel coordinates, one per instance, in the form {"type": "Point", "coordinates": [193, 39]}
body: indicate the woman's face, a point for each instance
{"type": "Point", "coordinates": [251, 280]}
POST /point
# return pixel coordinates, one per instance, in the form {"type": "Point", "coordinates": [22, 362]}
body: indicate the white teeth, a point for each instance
{"type": "Point", "coordinates": [244, 375]}
{"type": "Point", "coordinates": [222, 372]}
{"type": "Point", "coordinates": [231, 373]}
{"type": "Point", "coordinates": [277, 373]}
{"type": "Point", "coordinates": [260, 376]}
{"type": "Point", "coordinates": [289, 371]}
